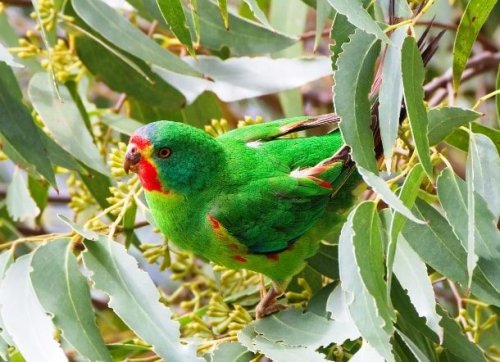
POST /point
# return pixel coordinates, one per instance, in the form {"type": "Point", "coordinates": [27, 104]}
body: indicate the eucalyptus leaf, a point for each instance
{"type": "Point", "coordinates": [231, 352]}
{"type": "Point", "coordinates": [64, 293]}
{"type": "Point", "coordinates": [123, 76]}
{"type": "Point", "coordinates": [453, 194]}
{"type": "Point", "coordinates": [173, 14]}
{"type": "Point", "coordinates": [460, 137]}
{"type": "Point", "coordinates": [323, 11]}
{"type": "Point", "coordinates": [18, 129]}
{"type": "Point", "coordinates": [373, 323]}
{"type": "Point", "coordinates": [243, 38]}
{"type": "Point", "coordinates": [64, 121]}
{"type": "Point", "coordinates": [413, 77]}
{"type": "Point", "coordinates": [386, 194]}
{"type": "Point", "coordinates": [443, 120]}
{"type": "Point", "coordinates": [20, 309]}
{"type": "Point", "coordinates": [438, 246]}
{"type": "Point", "coordinates": [120, 123]}
{"type": "Point", "coordinates": [473, 18]}
{"type": "Point", "coordinates": [6, 259]}
{"type": "Point", "coordinates": [118, 31]}
{"type": "Point", "coordinates": [352, 86]}
{"type": "Point", "coordinates": [134, 297]}
{"type": "Point", "coordinates": [391, 94]}
{"type": "Point", "coordinates": [339, 311]}
{"type": "Point", "coordinates": [7, 58]}
{"type": "Point", "coordinates": [223, 12]}
{"type": "Point", "coordinates": [257, 12]}
{"type": "Point", "coordinates": [359, 17]}
{"type": "Point", "coordinates": [20, 204]}
{"type": "Point", "coordinates": [486, 171]}
{"type": "Point", "coordinates": [340, 33]}
{"type": "Point", "coordinates": [412, 275]}
{"type": "Point", "coordinates": [240, 78]}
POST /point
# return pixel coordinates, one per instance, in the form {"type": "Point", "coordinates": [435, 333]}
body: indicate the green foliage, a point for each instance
{"type": "Point", "coordinates": [409, 272]}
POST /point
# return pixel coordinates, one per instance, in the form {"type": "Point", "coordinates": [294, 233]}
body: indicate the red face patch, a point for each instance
{"type": "Point", "coordinates": [139, 141]}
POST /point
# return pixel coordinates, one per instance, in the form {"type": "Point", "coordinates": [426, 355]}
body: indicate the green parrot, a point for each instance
{"type": "Point", "coordinates": [250, 198]}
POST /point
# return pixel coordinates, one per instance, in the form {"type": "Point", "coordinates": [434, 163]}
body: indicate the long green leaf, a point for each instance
{"type": "Point", "coordinates": [174, 15]}
{"type": "Point", "coordinates": [244, 37]}
{"type": "Point", "coordinates": [323, 11]}
{"type": "Point", "coordinates": [358, 16]}
{"type": "Point", "coordinates": [20, 204]}
{"type": "Point", "coordinates": [385, 193]}
{"type": "Point", "coordinates": [453, 194]}
{"type": "Point", "coordinates": [473, 18]}
{"type": "Point", "coordinates": [438, 246]}
{"type": "Point", "coordinates": [486, 170]}
{"type": "Point", "coordinates": [223, 12]}
{"type": "Point", "coordinates": [17, 126]}
{"type": "Point", "coordinates": [413, 78]}
{"type": "Point", "coordinates": [121, 76]}
{"type": "Point", "coordinates": [391, 94]}
{"type": "Point", "coordinates": [352, 86]}
{"type": "Point", "coordinates": [443, 120]}
{"type": "Point", "coordinates": [407, 196]}
{"type": "Point", "coordinates": [118, 31]}
{"type": "Point", "coordinates": [412, 275]}
{"type": "Point", "coordinates": [257, 12]}
{"type": "Point", "coordinates": [360, 254]}
{"type": "Point", "coordinates": [68, 298]}
{"type": "Point", "coordinates": [6, 259]}
{"type": "Point", "coordinates": [133, 296]}
{"type": "Point", "coordinates": [460, 137]}
{"type": "Point", "coordinates": [64, 121]}
{"type": "Point", "coordinates": [24, 318]}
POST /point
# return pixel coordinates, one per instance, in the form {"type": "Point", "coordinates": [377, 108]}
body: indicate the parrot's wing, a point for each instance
{"type": "Point", "coordinates": [268, 215]}
{"type": "Point", "coordinates": [275, 129]}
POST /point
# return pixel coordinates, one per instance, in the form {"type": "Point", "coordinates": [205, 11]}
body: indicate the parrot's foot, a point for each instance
{"type": "Point", "coordinates": [268, 304]}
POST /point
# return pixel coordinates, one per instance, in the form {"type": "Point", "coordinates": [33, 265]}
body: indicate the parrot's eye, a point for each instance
{"type": "Point", "coordinates": [164, 152]}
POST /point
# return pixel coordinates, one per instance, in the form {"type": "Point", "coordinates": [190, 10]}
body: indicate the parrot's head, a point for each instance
{"type": "Point", "coordinates": [174, 157]}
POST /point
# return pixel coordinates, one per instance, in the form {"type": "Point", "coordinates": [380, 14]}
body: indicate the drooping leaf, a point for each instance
{"type": "Point", "coordinates": [355, 68]}
{"type": "Point", "coordinates": [415, 350]}
{"type": "Point", "coordinates": [118, 31]}
{"type": "Point", "coordinates": [133, 296]}
{"type": "Point", "coordinates": [257, 12]}
{"type": "Point", "coordinates": [173, 13]}
{"type": "Point", "coordinates": [443, 120]}
{"type": "Point", "coordinates": [122, 77]}
{"type": "Point", "coordinates": [407, 196]}
{"type": "Point", "coordinates": [64, 121]}
{"type": "Point", "coordinates": [277, 351]}
{"type": "Point", "coordinates": [339, 312]}
{"type": "Point", "coordinates": [412, 275]}
{"type": "Point", "coordinates": [67, 298]}
{"type": "Point", "coordinates": [358, 16]}
{"type": "Point", "coordinates": [472, 20]}
{"type": "Point", "coordinates": [240, 78]}
{"type": "Point", "coordinates": [438, 246]}
{"type": "Point", "coordinates": [323, 11]}
{"type": "Point", "coordinates": [39, 192]}
{"type": "Point", "coordinates": [290, 18]}
{"type": "Point", "coordinates": [17, 126]}
{"type": "Point", "coordinates": [244, 38]}
{"type": "Point", "coordinates": [326, 261]}
{"type": "Point", "coordinates": [460, 137]}
{"type": "Point", "coordinates": [340, 33]}
{"type": "Point", "coordinates": [413, 77]}
{"type": "Point", "coordinates": [20, 204]}
{"type": "Point", "coordinates": [6, 259]}
{"type": "Point", "coordinates": [391, 94]}
{"type": "Point", "coordinates": [20, 309]}
{"type": "Point", "coordinates": [297, 329]}
{"type": "Point", "coordinates": [472, 257]}
{"type": "Point", "coordinates": [486, 171]}
{"type": "Point", "coordinates": [231, 352]}
{"type": "Point", "coordinates": [453, 194]}
{"type": "Point", "coordinates": [367, 307]}
{"type": "Point", "coordinates": [120, 123]}
{"type": "Point", "coordinates": [386, 194]}
{"type": "Point", "coordinates": [457, 343]}
{"type": "Point", "coordinates": [223, 12]}
{"type": "Point", "coordinates": [7, 58]}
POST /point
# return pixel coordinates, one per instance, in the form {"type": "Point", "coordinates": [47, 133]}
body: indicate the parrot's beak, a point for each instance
{"type": "Point", "coordinates": [132, 158]}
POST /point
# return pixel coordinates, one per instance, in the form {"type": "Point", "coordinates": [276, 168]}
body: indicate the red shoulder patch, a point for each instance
{"type": "Point", "coordinates": [214, 222]}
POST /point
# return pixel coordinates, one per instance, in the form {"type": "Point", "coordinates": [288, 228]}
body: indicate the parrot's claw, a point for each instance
{"type": "Point", "coordinates": [268, 305]}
